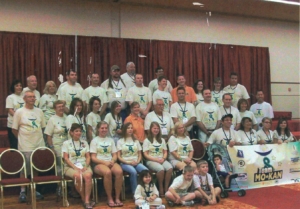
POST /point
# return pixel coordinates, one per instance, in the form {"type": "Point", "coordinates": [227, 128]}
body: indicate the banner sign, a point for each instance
{"type": "Point", "coordinates": [266, 165]}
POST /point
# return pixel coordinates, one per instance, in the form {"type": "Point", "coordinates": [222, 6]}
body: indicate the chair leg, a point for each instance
{"type": "Point", "coordinates": [123, 196]}
{"type": "Point", "coordinates": [66, 194]}
{"type": "Point", "coordinates": [95, 190]}
{"type": "Point", "coordinates": [33, 197]}
{"type": "Point", "coordinates": [2, 199]}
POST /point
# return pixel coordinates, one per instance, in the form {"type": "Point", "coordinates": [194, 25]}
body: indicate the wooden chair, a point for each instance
{"type": "Point", "coordinates": [96, 177]}
{"type": "Point", "coordinates": [43, 160]}
{"type": "Point", "coordinates": [13, 162]}
{"type": "Point", "coordinates": [199, 149]}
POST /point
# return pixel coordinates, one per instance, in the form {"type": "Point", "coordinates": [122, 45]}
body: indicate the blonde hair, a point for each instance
{"type": "Point", "coordinates": [177, 124]}
{"type": "Point", "coordinates": [46, 89]}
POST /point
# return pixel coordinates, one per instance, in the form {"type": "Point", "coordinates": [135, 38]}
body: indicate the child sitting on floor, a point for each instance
{"type": "Point", "coordinates": [146, 191]}
{"type": "Point", "coordinates": [208, 193]}
{"type": "Point", "coordinates": [221, 170]}
{"type": "Point", "coordinates": [179, 191]}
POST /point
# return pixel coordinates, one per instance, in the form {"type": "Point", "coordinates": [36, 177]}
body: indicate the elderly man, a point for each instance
{"type": "Point", "coordinates": [27, 127]}
{"type": "Point", "coordinates": [128, 77]}
{"type": "Point", "coordinates": [153, 85]}
{"type": "Point", "coordinates": [32, 85]}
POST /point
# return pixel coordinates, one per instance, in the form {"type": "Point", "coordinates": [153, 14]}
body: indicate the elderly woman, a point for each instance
{"type": "Point", "coordinates": [247, 134]}
{"type": "Point", "coordinates": [47, 100]}
{"type": "Point", "coordinates": [265, 135]}
{"type": "Point", "coordinates": [93, 118]}
{"type": "Point", "coordinates": [156, 153]}
{"type": "Point", "coordinates": [104, 156]}
{"type": "Point", "coordinates": [137, 122]}
{"type": "Point", "coordinates": [13, 102]}
{"type": "Point", "coordinates": [76, 154]}
{"type": "Point", "coordinates": [180, 148]}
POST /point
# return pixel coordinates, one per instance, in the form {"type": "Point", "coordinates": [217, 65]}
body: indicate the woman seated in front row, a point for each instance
{"type": "Point", "coordinates": [282, 134]}
{"type": "Point", "coordinates": [247, 133]}
{"type": "Point", "coordinates": [76, 154]}
{"type": "Point", "coordinates": [104, 155]}
{"type": "Point", "coordinates": [180, 148]}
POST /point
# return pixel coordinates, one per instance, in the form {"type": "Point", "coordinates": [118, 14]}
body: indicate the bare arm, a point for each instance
{"type": "Point", "coordinates": [103, 109]}
{"type": "Point", "coordinates": [15, 132]}
{"type": "Point", "coordinates": [90, 133]}
{"type": "Point", "coordinates": [10, 111]}
{"type": "Point", "coordinates": [190, 122]}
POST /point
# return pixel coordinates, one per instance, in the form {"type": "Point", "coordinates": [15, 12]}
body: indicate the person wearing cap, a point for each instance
{"type": "Point", "coordinates": [228, 109]}
{"type": "Point", "coordinates": [70, 90]}
{"type": "Point", "coordinates": [95, 91]}
{"type": "Point", "coordinates": [208, 116]}
{"type": "Point", "coordinates": [141, 94]}
{"type": "Point", "coordinates": [236, 90]}
{"type": "Point", "coordinates": [129, 76]}
{"type": "Point", "coordinates": [225, 135]}
{"type": "Point", "coordinates": [116, 90]}
{"type": "Point", "coordinates": [153, 85]}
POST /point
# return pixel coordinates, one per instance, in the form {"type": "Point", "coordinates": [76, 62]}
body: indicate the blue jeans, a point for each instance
{"type": "Point", "coordinates": [133, 171]}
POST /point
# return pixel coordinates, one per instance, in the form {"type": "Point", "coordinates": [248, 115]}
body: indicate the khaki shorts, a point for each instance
{"type": "Point", "coordinates": [70, 171]}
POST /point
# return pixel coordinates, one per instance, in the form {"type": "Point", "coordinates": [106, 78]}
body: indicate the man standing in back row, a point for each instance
{"type": "Point", "coordinates": [129, 76]}
{"type": "Point", "coordinates": [153, 85]}
{"type": "Point", "coordinates": [190, 95]}
{"type": "Point", "coordinates": [32, 85]}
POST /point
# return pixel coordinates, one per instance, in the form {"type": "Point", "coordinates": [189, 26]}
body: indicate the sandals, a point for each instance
{"type": "Point", "coordinates": [111, 204]}
{"type": "Point", "coordinates": [119, 204]}
{"type": "Point", "coordinates": [87, 206]}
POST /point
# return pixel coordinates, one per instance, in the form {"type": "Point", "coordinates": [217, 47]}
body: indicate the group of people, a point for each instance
{"type": "Point", "coordinates": [93, 130]}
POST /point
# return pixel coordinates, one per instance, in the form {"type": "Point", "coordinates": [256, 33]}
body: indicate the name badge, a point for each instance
{"type": "Point", "coordinates": [78, 165]}
{"type": "Point", "coordinates": [118, 94]}
{"type": "Point", "coordinates": [185, 120]}
{"type": "Point", "coordinates": [164, 131]}
{"type": "Point", "coordinates": [145, 205]}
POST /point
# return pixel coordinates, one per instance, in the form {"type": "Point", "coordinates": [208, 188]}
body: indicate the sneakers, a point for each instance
{"type": "Point", "coordinates": [171, 204]}
{"type": "Point", "coordinates": [188, 203]}
{"type": "Point", "coordinates": [38, 196]}
{"type": "Point", "coordinates": [22, 197]}
{"type": "Point", "coordinates": [160, 207]}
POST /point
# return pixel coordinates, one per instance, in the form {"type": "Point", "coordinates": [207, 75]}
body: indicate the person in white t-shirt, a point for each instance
{"type": "Point", "coordinates": [129, 76]}
{"type": "Point", "coordinates": [244, 112]}
{"type": "Point", "coordinates": [225, 135]}
{"type": "Point", "coordinates": [180, 191]}
{"type": "Point", "coordinates": [104, 156]}
{"type": "Point", "coordinates": [70, 90]}
{"type": "Point", "coordinates": [236, 90]}
{"type": "Point", "coordinates": [141, 94]}
{"type": "Point", "coordinates": [93, 118]}
{"type": "Point", "coordinates": [265, 134]}
{"type": "Point", "coordinates": [164, 119]}
{"type": "Point", "coordinates": [160, 93]}
{"type": "Point", "coordinates": [95, 91]}
{"type": "Point", "coordinates": [130, 155]}
{"type": "Point", "coordinates": [180, 148]}
{"type": "Point", "coordinates": [153, 85]}
{"type": "Point", "coordinates": [116, 90]}
{"type": "Point", "coordinates": [47, 100]}
{"type": "Point", "coordinates": [183, 111]}
{"type": "Point", "coordinates": [198, 88]}
{"type": "Point", "coordinates": [76, 154]}
{"type": "Point", "coordinates": [208, 116]}
{"type": "Point", "coordinates": [32, 85]}
{"type": "Point", "coordinates": [13, 102]}
{"type": "Point", "coordinates": [217, 92]}
{"type": "Point", "coordinates": [155, 153]}
{"type": "Point", "coordinates": [282, 134]}
{"type": "Point", "coordinates": [228, 109]}
{"type": "Point", "coordinates": [247, 134]}
{"type": "Point", "coordinates": [261, 109]}
{"type": "Point", "coordinates": [27, 126]}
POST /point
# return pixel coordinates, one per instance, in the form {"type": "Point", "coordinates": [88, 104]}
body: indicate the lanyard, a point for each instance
{"type": "Point", "coordinates": [77, 151]}
{"type": "Point", "coordinates": [79, 120]}
{"type": "Point", "coordinates": [183, 110]}
{"type": "Point", "coordinates": [116, 85]}
{"type": "Point", "coordinates": [269, 139]}
{"type": "Point", "coordinates": [226, 138]}
{"type": "Point", "coordinates": [147, 192]}
{"type": "Point", "coordinates": [162, 117]}
{"type": "Point", "coordinates": [132, 77]}
{"type": "Point", "coordinates": [206, 188]}
{"type": "Point", "coordinates": [249, 138]}
{"type": "Point", "coordinates": [226, 111]}
{"type": "Point", "coordinates": [233, 88]}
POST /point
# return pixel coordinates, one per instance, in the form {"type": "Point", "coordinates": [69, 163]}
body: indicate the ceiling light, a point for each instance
{"type": "Point", "coordinates": [142, 56]}
{"type": "Point", "coordinates": [198, 4]}
{"type": "Point", "coordinates": [284, 2]}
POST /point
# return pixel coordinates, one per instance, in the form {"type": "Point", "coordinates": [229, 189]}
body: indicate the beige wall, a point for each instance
{"type": "Point", "coordinates": [99, 18]}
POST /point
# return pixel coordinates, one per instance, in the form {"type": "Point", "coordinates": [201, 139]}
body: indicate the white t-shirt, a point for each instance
{"type": "Point", "coordinates": [76, 151]}
{"type": "Point", "coordinates": [69, 92]}
{"type": "Point", "coordinates": [283, 137]}
{"type": "Point", "coordinates": [235, 113]}
{"type": "Point", "coordinates": [46, 104]}
{"type": "Point", "coordinates": [223, 137]}
{"type": "Point", "coordinates": [155, 149]}
{"type": "Point", "coordinates": [142, 95]}
{"type": "Point", "coordinates": [248, 138]}
{"type": "Point", "coordinates": [183, 146]}
{"type": "Point", "coordinates": [262, 110]}
{"type": "Point", "coordinates": [249, 114]}
{"type": "Point", "coordinates": [91, 91]}
{"type": "Point", "coordinates": [237, 92]}
{"type": "Point", "coordinates": [76, 119]}
{"type": "Point", "coordinates": [129, 149]}
{"type": "Point", "coordinates": [140, 192]}
{"type": "Point", "coordinates": [29, 123]}
{"type": "Point", "coordinates": [165, 96]}
{"type": "Point", "coordinates": [36, 93]}
{"type": "Point", "coordinates": [57, 129]}
{"type": "Point", "coordinates": [216, 97]}
{"type": "Point", "coordinates": [179, 183]}
{"type": "Point", "coordinates": [117, 93]}
{"type": "Point", "coordinates": [204, 180]}
{"type": "Point", "coordinates": [208, 114]}
{"type": "Point", "coordinates": [199, 98]}
{"type": "Point", "coordinates": [14, 102]}
{"type": "Point", "coordinates": [60, 86]}
{"type": "Point", "coordinates": [114, 124]}
{"type": "Point", "coordinates": [92, 120]}
{"type": "Point", "coordinates": [261, 135]}
{"type": "Point", "coordinates": [165, 121]}
{"type": "Point", "coordinates": [183, 112]}
{"type": "Point", "coordinates": [153, 86]}
{"type": "Point", "coordinates": [103, 147]}
{"type": "Point", "coordinates": [128, 80]}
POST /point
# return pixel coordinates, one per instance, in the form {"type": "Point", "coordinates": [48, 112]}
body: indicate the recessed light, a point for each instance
{"type": "Point", "coordinates": [198, 4]}
{"type": "Point", "coordinates": [142, 56]}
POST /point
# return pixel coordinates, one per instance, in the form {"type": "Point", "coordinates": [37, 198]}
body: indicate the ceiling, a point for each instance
{"type": "Point", "coordinates": [250, 8]}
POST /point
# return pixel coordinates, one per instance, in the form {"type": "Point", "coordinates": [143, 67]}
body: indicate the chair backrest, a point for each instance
{"type": "Point", "coordinates": [12, 162]}
{"type": "Point", "coordinates": [199, 149]}
{"type": "Point", "coordinates": [43, 159]}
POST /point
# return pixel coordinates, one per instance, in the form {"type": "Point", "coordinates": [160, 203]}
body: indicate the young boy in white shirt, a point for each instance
{"type": "Point", "coordinates": [208, 193]}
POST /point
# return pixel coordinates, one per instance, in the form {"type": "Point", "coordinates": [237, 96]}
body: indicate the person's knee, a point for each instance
{"type": "Point", "coordinates": [107, 173]}
{"type": "Point", "coordinates": [87, 177]}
